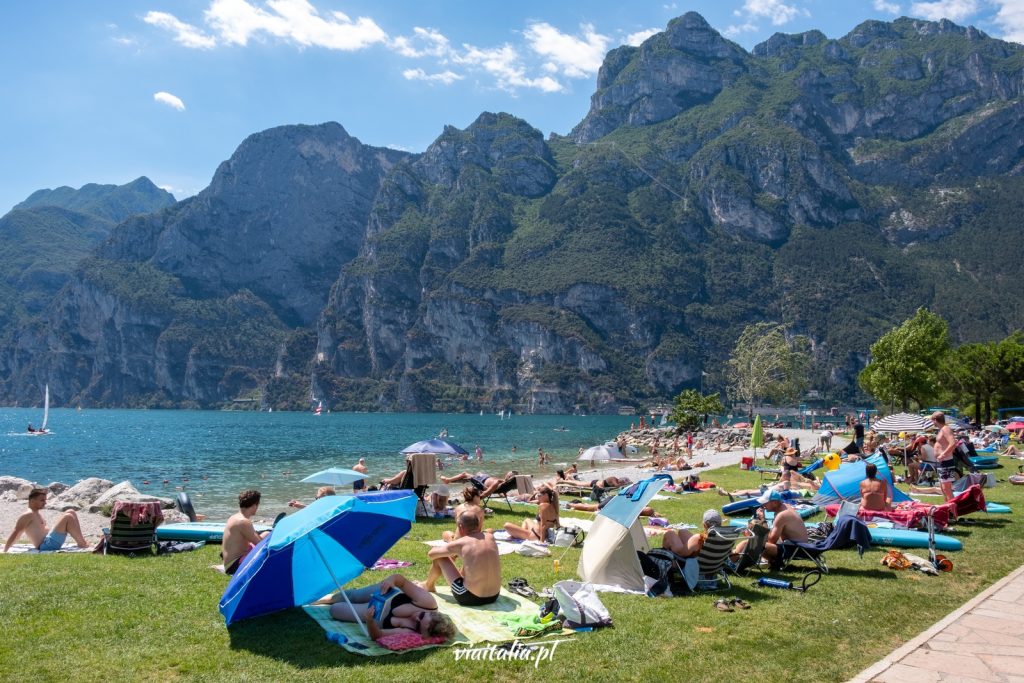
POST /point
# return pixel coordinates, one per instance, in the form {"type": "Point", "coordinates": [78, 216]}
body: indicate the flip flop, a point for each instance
{"type": "Point", "coordinates": [722, 606]}
{"type": "Point", "coordinates": [742, 604]}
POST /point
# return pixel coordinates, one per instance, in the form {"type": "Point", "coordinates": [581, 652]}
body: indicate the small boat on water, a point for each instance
{"type": "Point", "coordinates": [319, 408]}
{"type": "Point", "coordinates": [42, 430]}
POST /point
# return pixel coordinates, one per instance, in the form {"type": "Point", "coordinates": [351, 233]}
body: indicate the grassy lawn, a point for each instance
{"type": "Point", "coordinates": [90, 618]}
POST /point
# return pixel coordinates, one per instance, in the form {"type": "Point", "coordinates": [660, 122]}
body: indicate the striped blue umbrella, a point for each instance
{"type": "Point", "coordinates": [317, 550]}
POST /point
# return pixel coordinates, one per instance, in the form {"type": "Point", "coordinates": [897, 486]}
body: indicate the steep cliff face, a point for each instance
{"type": "Point", "coordinates": [833, 185]}
{"type": "Point", "coordinates": [194, 305]}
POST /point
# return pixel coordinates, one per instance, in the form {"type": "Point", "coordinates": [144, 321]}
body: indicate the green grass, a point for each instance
{"type": "Point", "coordinates": [90, 618]}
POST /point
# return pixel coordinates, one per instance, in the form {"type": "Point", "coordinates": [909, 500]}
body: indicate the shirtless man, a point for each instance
{"type": "Point", "coordinates": [359, 467]}
{"type": "Point", "coordinates": [239, 534]}
{"type": "Point", "coordinates": [480, 579]}
{"type": "Point", "coordinates": [788, 525]}
{"type": "Point", "coordinates": [32, 524]}
{"type": "Point", "coordinates": [874, 493]}
{"type": "Point", "coordinates": [945, 463]}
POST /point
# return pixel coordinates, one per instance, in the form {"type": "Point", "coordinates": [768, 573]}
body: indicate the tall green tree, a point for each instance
{"type": "Point", "coordinates": [905, 362]}
{"type": "Point", "coordinates": [981, 372]}
{"type": "Point", "coordinates": [766, 365]}
{"type": "Point", "coordinates": [692, 408]}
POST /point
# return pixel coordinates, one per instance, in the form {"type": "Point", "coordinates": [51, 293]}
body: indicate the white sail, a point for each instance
{"type": "Point", "coordinates": [46, 409]}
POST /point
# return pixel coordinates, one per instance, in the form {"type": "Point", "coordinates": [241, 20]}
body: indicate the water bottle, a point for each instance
{"type": "Point", "coordinates": [774, 583]}
{"type": "Point", "coordinates": [558, 565]}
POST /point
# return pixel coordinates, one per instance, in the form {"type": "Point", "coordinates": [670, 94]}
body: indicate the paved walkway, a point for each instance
{"type": "Point", "coordinates": [981, 641]}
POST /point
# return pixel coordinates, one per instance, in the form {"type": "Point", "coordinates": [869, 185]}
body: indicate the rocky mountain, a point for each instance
{"type": "Point", "coordinates": [834, 185]}
{"type": "Point", "coordinates": [43, 238]}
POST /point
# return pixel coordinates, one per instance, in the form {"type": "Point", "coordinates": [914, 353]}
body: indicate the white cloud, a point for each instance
{"type": "Point", "coordinates": [954, 10]}
{"type": "Point", "coordinates": [734, 30]}
{"type": "Point", "coordinates": [576, 57]}
{"type": "Point", "coordinates": [170, 100]}
{"type": "Point", "coordinates": [504, 64]}
{"type": "Point", "coordinates": [887, 7]}
{"type": "Point", "coordinates": [776, 11]}
{"type": "Point", "coordinates": [434, 44]}
{"type": "Point", "coordinates": [186, 34]}
{"type": "Point", "coordinates": [446, 77]}
{"type": "Point", "coordinates": [297, 21]}
{"type": "Point", "coordinates": [125, 40]}
{"type": "Point", "coordinates": [1010, 18]}
{"type": "Point", "coordinates": [641, 36]}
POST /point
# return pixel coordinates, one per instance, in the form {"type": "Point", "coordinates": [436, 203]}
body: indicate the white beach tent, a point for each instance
{"type": "Point", "coordinates": [609, 553]}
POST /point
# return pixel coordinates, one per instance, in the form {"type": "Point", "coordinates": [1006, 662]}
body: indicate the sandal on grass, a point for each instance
{"type": "Point", "coordinates": [742, 604]}
{"type": "Point", "coordinates": [722, 605]}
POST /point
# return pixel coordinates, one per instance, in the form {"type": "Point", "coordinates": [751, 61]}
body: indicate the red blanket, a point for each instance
{"type": "Point", "coordinates": [911, 515]}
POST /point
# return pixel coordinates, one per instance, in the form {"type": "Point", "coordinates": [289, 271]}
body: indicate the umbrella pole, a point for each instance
{"type": "Point", "coordinates": [337, 583]}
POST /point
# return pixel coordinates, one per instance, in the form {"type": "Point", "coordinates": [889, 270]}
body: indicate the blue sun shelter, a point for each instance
{"type": "Point", "coordinates": [317, 550]}
{"type": "Point", "coordinates": [843, 484]}
{"type": "Point", "coordinates": [609, 555]}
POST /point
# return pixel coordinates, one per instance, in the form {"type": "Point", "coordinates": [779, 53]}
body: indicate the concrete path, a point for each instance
{"type": "Point", "coordinates": [981, 641]}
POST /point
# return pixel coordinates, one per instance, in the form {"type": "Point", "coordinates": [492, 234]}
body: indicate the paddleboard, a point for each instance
{"type": "Point", "coordinates": [752, 504]}
{"type": "Point", "coordinates": [211, 532]}
{"type": "Point", "coordinates": [909, 538]}
{"type": "Point", "coordinates": [997, 508]}
{"type": "Point", "coordinates": [986, 463]}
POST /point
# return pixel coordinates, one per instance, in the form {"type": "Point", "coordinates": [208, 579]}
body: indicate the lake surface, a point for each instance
{"type": "Point", "coordinates": [213, 455]}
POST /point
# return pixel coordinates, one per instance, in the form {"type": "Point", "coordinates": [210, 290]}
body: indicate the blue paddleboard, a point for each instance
{"type": "Point", "coordinates": [910, 538]}
{"type": "Point", "coordinates": [211, 532]}
{"type": "Point", "coordinates": [997, 508]}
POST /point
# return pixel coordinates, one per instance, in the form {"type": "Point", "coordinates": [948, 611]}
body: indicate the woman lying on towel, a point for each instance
{"type": "Point", "coordinates": [542, 527]}
{"type": "Point", "coordinates": [395, 605]}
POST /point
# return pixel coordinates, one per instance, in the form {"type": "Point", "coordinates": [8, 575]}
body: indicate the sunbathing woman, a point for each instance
{"type": "Point", "coordinates": [686, 544]}
{"type": "Point", "coordinates": [471, 503]}
{"type": "Point", "coordinates": [543, 526]}
{"type": "Point", "coordinates": [481, 480]}
{"type": "Point", "coordinates": [1012, 450]}
{"type": "Point", "coordinates": [395, 605]}
{"type": "Point", "coordinates": [594, 507]}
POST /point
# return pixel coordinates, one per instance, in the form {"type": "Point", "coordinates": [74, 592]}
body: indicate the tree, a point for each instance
{"type": "Point", "coordinates": [983, 371]}
{"type": "Point", "coordinates": [766, 365]}
{"type": "Point", "coordinates": [692, 408]}
{"type": "Point", "coordinates": [906, 360]}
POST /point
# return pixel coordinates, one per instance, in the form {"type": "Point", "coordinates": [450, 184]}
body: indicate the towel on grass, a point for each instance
{"type": "Point", "coordinates": [472, 624]}
{"type": "Point", "coordinates": [384, 564]}
{"type": "Point", "coordinates": [26, 549]}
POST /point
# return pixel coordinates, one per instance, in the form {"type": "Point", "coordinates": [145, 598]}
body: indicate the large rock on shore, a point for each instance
{"type": "Point", "coordinates": [81, 495]}
{"type": "Point", "coordinates": [126, 491]}
{"type": "Point", "coordinates": [15, 484]}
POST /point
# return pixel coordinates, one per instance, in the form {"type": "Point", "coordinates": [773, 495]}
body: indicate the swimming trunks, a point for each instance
{"type": "Point", "coordinates": [946, 470]}
{"type": "Point", "coordinates": [480, 481]}
{"type": "Point", "coordinates": [467, 598]}
{"type": "Point", "coordinates": [359, 485]}
{"type": "Point", "coordinates": [53, 541]}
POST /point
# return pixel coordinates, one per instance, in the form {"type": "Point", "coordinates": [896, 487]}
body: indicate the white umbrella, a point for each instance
{"type": "Point", "coordinates": [334, 476]}
{"type": "Point", "coordinates": [600, 453]}
{"type": "Point", "coordinates": [902, 422]}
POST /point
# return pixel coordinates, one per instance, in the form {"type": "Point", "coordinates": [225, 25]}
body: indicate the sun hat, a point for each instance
{"type": "Point", "coordinates": [791, 451]}
{"type": "Point", "coordinates": [768, 496]}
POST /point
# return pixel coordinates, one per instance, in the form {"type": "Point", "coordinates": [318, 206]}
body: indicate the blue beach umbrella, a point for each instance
{"type": "Point", "coordinates": [334, 476]}
{"type": "Point", "coordinates": [317, 550]}
{"type": "Point", "coordinates": [436, 446]}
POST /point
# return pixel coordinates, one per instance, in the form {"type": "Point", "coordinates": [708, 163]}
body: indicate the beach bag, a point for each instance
{"type": "Point", "coordinates": [580, 606]}
{"type": "Point", "coordinates": [567, 536]}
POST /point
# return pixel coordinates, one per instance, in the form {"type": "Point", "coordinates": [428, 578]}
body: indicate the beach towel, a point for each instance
{"type": "Point", "coordinates": [424, 469]}
{"type": "Point", "coordinates": [384, 564]}
{"type": "Point", "coordinates": [26, 549]}
{"type": "Point", "coordinates": [473, 624]}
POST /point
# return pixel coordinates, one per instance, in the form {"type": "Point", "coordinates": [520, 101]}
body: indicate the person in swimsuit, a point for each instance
{"type": "Point", "coordinates": [471, 503]}
{"type": "Point", "coordinates": [395, 605]}
{"type": "Point", "coordinates": [359, 484]}
{"type": "Point", "coordinates": [686, 544]}
{"type": "Point", "coordinates": [320, 493]}
{"type": "Point", "coordinates": [542, 527]}
{"type": "Point", "coordinates": [945, 442]}
{"type": "Point", "coordinates": [239, 533]}
{"type": "Point", "coordinates": [479, 581]}
{"type": "Point", "coordinates": [483, 481]}
{"type": "Point", "coordinates": [32, 524]}
{"type": "Point", "coordinates": [874, 493]}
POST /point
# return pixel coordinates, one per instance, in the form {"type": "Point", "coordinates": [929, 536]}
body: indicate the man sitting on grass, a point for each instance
{"type": "Point", "coordinates": [480, 579]}
{"type": "Point", "coordinates": [239, 533]}
{"type": "Point", "coordinates": [32, 524]}
{"type": "Point", "coordinates": [874, 493]}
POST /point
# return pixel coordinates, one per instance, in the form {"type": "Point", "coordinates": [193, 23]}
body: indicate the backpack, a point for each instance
{"type": "Point", "coordinates": [580, 606]}
{"type": "Point", "coordinates": [660, 565]}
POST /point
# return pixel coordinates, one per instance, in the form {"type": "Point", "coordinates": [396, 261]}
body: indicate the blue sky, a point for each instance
{"type": "Point", "coordinates": [106, 91]}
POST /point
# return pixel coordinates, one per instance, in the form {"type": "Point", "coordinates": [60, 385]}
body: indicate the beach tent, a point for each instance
{"type": "Point", "coordinates": [609, 555]}
{"type": "Point", "coordinates": [844, 484]}
{"type": "Point", "coordinates": [902, 422]}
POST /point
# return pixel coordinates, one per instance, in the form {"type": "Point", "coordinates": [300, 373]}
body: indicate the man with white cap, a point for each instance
{"type": "Point", "coordinates": [685, 544]}
{"type": "Point", "coordinates": [787, 526]}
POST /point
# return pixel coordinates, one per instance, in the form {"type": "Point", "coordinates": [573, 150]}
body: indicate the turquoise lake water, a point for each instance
{"type": "Point", "coordinates": [213, 455]}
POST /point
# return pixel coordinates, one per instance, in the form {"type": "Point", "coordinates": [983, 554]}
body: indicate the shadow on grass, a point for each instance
{"type": "Point", "coordinates": [294, 638]}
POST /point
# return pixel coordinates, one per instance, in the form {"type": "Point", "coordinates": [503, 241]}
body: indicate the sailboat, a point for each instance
{"type": "Point", "coordinates": [46, 416]}
{"type": "Point", "coordinates": [319, 408]}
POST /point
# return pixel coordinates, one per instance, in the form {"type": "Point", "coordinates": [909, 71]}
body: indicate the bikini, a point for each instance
{"type": "Point", "coordinates": [385, 605]}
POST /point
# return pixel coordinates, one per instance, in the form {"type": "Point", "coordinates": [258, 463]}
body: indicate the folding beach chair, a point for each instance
{"type": "Point", "coordinates": [132, 528]}
{"type": "Point", "coordinates": [420, 472]}
{"type": "Point", "coordinates": [713, 556]}
{"type": "Point", "coordinates": [848, 532]}
{"type": "Point", "coordinates": [750, 559]}
{"type": "Point", "coordinates": [521, 483]}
